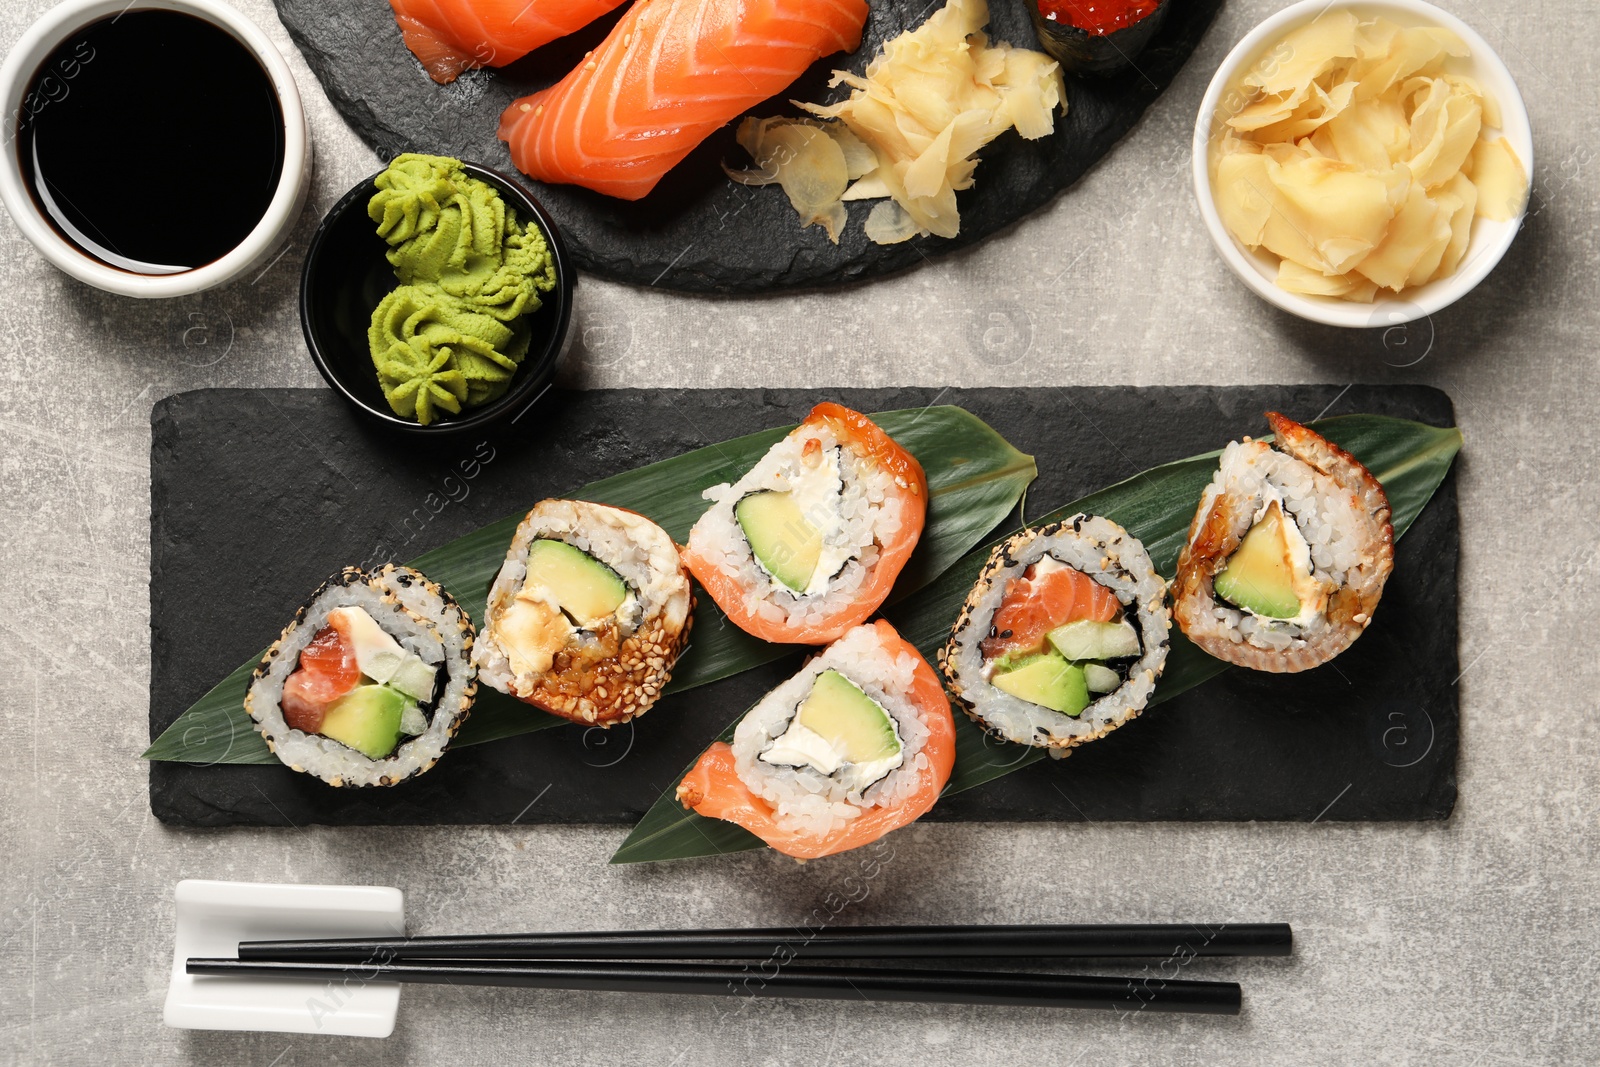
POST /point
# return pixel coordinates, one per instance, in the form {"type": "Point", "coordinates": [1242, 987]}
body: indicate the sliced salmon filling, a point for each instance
{"type": "Point", "coordinates": [1049, 594]}
{"type": "Point", "coordinates": [327, 672]}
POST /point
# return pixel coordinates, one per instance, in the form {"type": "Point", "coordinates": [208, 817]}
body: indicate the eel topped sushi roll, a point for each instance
{"type": "Point", "coordinates": [1063, 636]}
{"type": "Point", "coordinates": [1287, 555]}
{"type": "Point", "coordinates": [809, 542]}
{"type": "Point", "coordinates": [588, 614]}
{"type": "Point", "coordinates": [858, 743]}
{"type": "Point", "coordinates": [370, 682]}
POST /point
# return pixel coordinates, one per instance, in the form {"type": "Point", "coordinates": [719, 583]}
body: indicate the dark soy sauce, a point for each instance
{"type": "Point", "coordinates": [152, 140]}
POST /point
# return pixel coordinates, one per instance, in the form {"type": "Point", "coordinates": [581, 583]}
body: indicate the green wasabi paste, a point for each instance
{"type": "Point", "coordinates": [452, 334]}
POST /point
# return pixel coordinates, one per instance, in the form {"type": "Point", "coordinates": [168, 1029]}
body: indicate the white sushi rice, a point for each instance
{"type": "Point", "coordinates": [409, 609]}
{"type": "Point", "coordinates": [803, 799]}
{"type": "Point", "coordinates": [1111, 556]}
{"type": "Point", "coordinates": [1328, 518]}
{"type": "Point", "coordinates": [862, 515]}
{"type": "Point", "coordinates": [637, 549]}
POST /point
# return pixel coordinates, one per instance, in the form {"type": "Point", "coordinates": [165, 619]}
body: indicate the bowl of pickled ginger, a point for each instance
{"type": "Point", "coordinates": [1362, 164]}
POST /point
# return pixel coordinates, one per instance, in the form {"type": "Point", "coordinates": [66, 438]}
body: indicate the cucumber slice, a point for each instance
{"type": "Point", "coordinates": [1100, 679]}
{"type": "Point", "coordinates": [414, 678]}
{"type": "Point", "coordinates": [1095, 640]}
{"type": "Point", "coordinates": [412, 721]}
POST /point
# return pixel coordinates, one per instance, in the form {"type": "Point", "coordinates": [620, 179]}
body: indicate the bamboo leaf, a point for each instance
{"type": "Point", "coordinates": [1411, 459]}
{"type": "Point", "coordinates": [975, 478]}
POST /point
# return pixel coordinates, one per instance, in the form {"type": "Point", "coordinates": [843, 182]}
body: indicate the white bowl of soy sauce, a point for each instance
{"type": "Point", "coordinates": [152, 149]}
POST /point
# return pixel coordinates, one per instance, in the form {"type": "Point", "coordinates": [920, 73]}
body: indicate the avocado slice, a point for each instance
{"type": "Point", "coordinates": [1259, 576]}
{"type": "Point", "coordinates": [780, 537]}
{"type": "Point", "coordinates": [1087, 639]}
{"type": "Point", "coordinates": [367, 719]}
{"type": "Point", "coordinates": [1048, 680]}
{"type": "Point", "coordinates": [585, 588]}
{"type": "Point", "coordinates": [854, 724]}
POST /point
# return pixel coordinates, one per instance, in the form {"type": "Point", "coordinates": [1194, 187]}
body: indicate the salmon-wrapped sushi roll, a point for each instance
{"type": "Point", "coordinates": [810, 541]}
{"type": "Point", "coordinates": [1287, 555]}
{"type": "Point", "coordinates": [857, 744]}
{"type": "Point", "coordinates": [1063, 636]}
{"type": "Point", "coordinates": [588, 613]}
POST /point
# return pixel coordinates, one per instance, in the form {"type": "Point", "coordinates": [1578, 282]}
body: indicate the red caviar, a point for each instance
{"type": "Point", "coordinates": [1097, 17]}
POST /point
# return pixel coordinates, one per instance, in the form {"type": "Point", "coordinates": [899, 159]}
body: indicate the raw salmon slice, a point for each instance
{"type": "Point", "coordinates": [1036, 604]}
{"type": "Point", "coordinates": [670, 73]}
{"type": "Point", "coordinates": [450, 36]}
{"type": "Point", "coordinates": [327, 672]}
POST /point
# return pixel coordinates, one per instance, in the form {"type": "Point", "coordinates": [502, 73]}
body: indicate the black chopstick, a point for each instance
{"type": "Point", "coordinates": [823, 983]}
{"type": "Point", "coordinates": [1124, 941]}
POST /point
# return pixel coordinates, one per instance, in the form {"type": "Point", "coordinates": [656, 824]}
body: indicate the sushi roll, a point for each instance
{"type": "Point", "coordinates": [1063, 636]}
{"type": "Point", "coordinates": [857, 744]}
{"type": "Point", "coordinates": [588, 614]}
{"type": "Point", "coordinates": [809, 542]}
{"type": "Point", "coordinates": [370, 682]}
{"type": "Point", "coordinates": [1287, 554]}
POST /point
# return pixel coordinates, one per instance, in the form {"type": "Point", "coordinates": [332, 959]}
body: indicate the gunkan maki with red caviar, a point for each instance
{"type": "Point", "coordinates": [1096, 36]}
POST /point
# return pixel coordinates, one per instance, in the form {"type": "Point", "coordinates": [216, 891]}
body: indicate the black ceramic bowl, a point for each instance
{"type": "Point", "coordinates": [346, 275]}
{"type": "Point", "coordinates": [1081, 52]}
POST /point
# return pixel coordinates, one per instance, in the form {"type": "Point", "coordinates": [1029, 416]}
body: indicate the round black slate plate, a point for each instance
{"type": "Point", "coordinates": [698, 231]}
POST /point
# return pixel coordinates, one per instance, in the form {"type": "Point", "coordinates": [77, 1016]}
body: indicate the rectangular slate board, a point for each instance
{"type": "Point", "coordinates": [258, 495]}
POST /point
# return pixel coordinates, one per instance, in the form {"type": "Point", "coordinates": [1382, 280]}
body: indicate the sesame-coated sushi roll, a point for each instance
{"type": "Point", "coordinates": [371, 680]}
{"type": "Point", "coordinates": [1063, 636]}
{"type": "Point", "coordinates": [809, 542]}
{"type": "Point", "coordinates": [858, 743]}
{"type": "Point", "coordinates": [588, 613]}
{"type": "Point", "coordinates": [1287, 555]}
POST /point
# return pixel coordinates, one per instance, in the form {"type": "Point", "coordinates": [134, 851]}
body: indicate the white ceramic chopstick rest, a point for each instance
{"type": "Point", "coordinates": [213, 917]}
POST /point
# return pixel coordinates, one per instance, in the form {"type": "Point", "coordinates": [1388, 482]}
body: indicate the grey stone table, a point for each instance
{"type": "Point", "coordinates": [1466, 942]}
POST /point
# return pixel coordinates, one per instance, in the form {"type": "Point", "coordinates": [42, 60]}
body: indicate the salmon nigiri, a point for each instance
{"type": "Point", "coordinates": [669, 74]}
{"type": "Point", "coordinates": [809, 542]}
{"type": "Point", "coordinates": [450, 36]}
{"type": "Point", "coordinates": [859, 743]}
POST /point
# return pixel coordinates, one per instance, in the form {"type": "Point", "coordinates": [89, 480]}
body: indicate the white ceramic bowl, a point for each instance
{"type": "Point", "coordinates": [35, 46]}
{"type": "Point", "coordinates": [1258, 269]}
